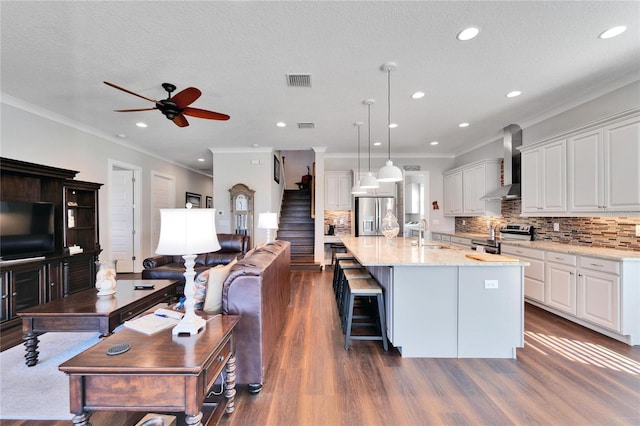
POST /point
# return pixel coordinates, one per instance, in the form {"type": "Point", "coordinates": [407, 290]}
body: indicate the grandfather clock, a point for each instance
{"type": "Point", "coordinates": [242, 209]}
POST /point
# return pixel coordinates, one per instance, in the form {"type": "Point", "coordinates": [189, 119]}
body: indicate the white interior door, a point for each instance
{"type": "Point", "coordinates": [162, 197]}
{"type": "Point", "coordinates": [122, 206]}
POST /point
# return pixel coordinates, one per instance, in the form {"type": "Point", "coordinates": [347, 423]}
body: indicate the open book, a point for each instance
{"type": "Point", "coordinates": [160, 320]}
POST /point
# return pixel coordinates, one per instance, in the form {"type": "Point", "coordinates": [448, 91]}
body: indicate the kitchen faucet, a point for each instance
{"type": "Point", "coordinates": [422, 231]}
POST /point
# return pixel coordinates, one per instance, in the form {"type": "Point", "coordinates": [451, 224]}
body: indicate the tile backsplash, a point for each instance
{"type": "Point", "coordinates": [616, 232]}
{"type": "Point", "coordinates": [340, 218]}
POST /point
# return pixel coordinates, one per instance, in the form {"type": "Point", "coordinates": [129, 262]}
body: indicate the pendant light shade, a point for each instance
{"type": "Point", "coordinates": [389, 172]}
{"type": "Point", "coordinates": [369, 181]}
{"type": "Point", "coordinates": [356, 189]}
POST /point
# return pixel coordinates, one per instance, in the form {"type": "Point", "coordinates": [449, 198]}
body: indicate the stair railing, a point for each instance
{"type": "Point", "coordinates": [313, 190]}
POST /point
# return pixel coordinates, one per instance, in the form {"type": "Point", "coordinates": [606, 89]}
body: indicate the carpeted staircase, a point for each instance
{"type": "Point", "coordinates": [297, 226]}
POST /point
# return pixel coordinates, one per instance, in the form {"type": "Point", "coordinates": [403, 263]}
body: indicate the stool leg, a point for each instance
{"type": "Point", "coordinates": [383, 322]}
{"type": "Point", "coordinates": [347, 337]}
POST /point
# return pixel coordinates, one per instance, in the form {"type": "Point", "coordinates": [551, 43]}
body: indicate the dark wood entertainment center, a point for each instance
{"type": "Point", "coordinates": [31, 282]}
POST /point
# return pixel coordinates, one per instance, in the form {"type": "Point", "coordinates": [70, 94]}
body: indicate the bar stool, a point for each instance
{"type": "Point", "coordinates": [344, 265]}
{"type": "Point", "coordinates": [336, 269]}
{"type": "Point", "coordinates": [348, 275]}
{"type": "Point", "coordinates": [367, 287]}
{"type": "Point", "coordinates": [335, 249]}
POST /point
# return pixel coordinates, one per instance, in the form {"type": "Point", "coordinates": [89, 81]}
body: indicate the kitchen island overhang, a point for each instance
{"type": "Point", "coordinates": [441, 304]}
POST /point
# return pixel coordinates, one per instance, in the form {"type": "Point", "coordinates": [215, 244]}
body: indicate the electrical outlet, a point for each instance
{"type": "Point", "coordinates": [490, 283]}
{"type": "Point", "coordinates": [464, 222]}
{"type": "Point", "coordinates": [637, 230]}
{"type": "Point", "coordinates": [556, 227]}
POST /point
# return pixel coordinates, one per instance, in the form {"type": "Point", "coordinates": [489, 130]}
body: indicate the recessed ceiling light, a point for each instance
{"type": "Point", "coordinates": [255, 145]}
{"type": "Point", "coordinates": [121, 135]}
{"type": "Point", "coordinates": [377, 143]}
{"type": "Point", "coordinates": [201, 160]}
{"type": "Point", "coordinates": [434, 143]}
{"type": "Point", "coordinates": [393, 125]}
{"type": "Point", "coordinates": [141, 124]}
{"type": "Point", "coordinates": [463, 125]}
{"type": "Point", "coordinates": [467, 34]}
{"type": "Point", "coordinates": [417, 95]}
{"type": "Point", "coordinates": [513, 94]}
{"type": "Point", "coordinates": [281, 124]}
{"type": "Point", "coordinates": [613, 32]}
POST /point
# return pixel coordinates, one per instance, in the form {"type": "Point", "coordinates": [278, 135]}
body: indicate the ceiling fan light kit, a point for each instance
{"type": "Point", "coordinates": [175, 107]}
{"type": "Point", "coordinates": [369, 182]}
{"type": "Point", "coordinates": [389, 172]}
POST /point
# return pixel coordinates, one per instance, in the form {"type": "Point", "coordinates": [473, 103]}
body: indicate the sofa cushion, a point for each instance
{"type": "Point", "coordinates": [213, 297]}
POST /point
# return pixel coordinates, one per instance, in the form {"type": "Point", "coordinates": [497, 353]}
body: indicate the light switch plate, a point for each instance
{"type": "Point", "coordinates": [556, 227]}
{"type": "Point", "coordinates": [490, 283]}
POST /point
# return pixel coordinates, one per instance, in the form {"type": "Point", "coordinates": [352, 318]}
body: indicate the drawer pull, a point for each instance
{"type": "Point", "coordinates": [596, 265]}
{"type": "Point", "coordinates": [558, 258]}
{"type": "Point", "coordinates": [220, 358]}
{"type": "Point", "coordinates": [570, 273]}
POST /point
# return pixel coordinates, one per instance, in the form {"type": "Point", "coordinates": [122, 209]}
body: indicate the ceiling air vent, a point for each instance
{"type": "Point", "coordinates": [299, 80]}
{"type": "Point", "coordinates": [306, 125]}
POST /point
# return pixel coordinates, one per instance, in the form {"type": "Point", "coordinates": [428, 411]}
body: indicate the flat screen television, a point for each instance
{"type": "Point", "coordinates": [26, 229]}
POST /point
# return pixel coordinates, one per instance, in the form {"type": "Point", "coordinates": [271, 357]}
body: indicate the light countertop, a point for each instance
{"type": "Point", "coordinates": [374, 251]}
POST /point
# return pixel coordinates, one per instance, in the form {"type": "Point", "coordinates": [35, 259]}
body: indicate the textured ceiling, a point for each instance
{"type": "Point", "coordinates": [55, 55]}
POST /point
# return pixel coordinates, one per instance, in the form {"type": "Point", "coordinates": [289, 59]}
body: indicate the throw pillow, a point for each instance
{"type": "Point", "coordinates": [201, 282]}
{"type": "Point", "coordinates": [213, 298]}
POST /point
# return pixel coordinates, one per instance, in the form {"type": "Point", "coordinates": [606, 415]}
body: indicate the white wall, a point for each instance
{"type": "Point", "coordinates": [29, 137]}
{"type": "Point", "coordinates": [254, 169]}
{"type": "Point", "coordinates": [296, 163]}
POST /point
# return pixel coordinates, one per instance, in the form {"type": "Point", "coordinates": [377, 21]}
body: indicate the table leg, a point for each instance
{"type": "Point", "coordinates": [195, 420]}
{"type": "Point", "coordinates": [230, 384]}
{"type": "Point", "coordinates": [31, 346]}
{"type": "Point", "coordinates": [81, 419]}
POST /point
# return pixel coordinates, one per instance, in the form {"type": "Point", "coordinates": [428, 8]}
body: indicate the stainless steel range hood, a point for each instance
{"type": "Point", "coordinates": [512, 139]}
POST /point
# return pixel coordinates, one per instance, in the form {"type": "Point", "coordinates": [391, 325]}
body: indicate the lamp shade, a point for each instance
{"type": "Point", "coordinates": [187, 231]}
{"type": "Point", "coordinates": [268, 220]}
{"type": "Point", "coordinates": [356, 189]}
{"type": "Point", "coordinates": [369, 182]}
{"type": "Point", "coordinates": [389, 173]}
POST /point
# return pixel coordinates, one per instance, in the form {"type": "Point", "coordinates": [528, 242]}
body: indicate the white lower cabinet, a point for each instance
{"type": "Point", "coordinates": [460, 242]}
{"type": "Point", "coordinates": [599, 292]}
{"type": "Point", "coordinates": [533, 274]}
{"type": "Point", "coordinates": [560, 286]}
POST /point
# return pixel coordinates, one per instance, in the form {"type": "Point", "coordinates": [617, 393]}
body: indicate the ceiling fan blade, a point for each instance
{"type": "Point", "coordinates": [203, 113]}
{"type": "Point", "coordinates": [129, 91]}
{"type": "Point", "coordinates": [180, 120]}
{"type": "Point", "coordinates": [134, 110]}
{"type": "Point", "coordinates": [186, 97]}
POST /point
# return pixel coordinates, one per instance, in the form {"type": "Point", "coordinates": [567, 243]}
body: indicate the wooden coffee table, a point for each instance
{"type": "Point", "coordinates": [159, 373]}
{"type": "Point", "coordinates": [86, 311]}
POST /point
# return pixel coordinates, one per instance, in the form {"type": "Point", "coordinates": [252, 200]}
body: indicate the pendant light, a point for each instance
{"type": "Point", "coordinates": [389, 172]}
{"type": "Point", "coordinates": [356, 189]}
{"type": "Point", "coordinates": [369, 182]}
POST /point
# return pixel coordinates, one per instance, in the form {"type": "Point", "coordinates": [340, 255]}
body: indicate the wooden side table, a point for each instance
{"type": "Point", "coordinates": [159, 373]}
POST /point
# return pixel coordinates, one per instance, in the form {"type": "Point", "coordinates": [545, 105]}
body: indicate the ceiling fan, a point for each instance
{"type": "Point", "coordinates": [175, 107]}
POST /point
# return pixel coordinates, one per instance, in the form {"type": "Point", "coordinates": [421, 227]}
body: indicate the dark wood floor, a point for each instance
{"type": "Point", "coordinates": [565, 375]}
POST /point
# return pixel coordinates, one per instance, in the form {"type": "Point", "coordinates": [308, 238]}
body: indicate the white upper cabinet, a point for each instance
{"type": "Point", "coordinates": [465, 187]}
{"type": "Point", "coordinates": [622, 166]}
{"type": "Point", "coordinates": [603, 168]}
{"type": "Point", "coordinates": [544, 178]}
{"type": "Point", "coordinates": [337, 190]}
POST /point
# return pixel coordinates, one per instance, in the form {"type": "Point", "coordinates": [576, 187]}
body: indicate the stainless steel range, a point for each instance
{"type": "Point", "coordinates": [508, 232]}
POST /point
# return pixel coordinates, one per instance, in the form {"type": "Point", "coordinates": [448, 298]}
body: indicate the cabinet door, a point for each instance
{"type": "Point", "coordinates": [554, 177]}
{"type": "Point", "coordinates": [560, 287]}
{"type": "Point", "coordinates": [55, 281]}
{"type": "Point", "coordinates": [531, 181]}
{"type": "Point", "coordinates": [4, 296]}
{"type": "Point", "coordinates": [585, 172]}
{"type": "Point", "coordinates": [453, 194]}
{"type": "Point", "coordinates": [473, 188]}
{"type": "Point", "coordinates": [599, 298]}
{"type": "Point", "coordinates": [621, 171]}
{"type": "Point", "coordinates": [337, 191]}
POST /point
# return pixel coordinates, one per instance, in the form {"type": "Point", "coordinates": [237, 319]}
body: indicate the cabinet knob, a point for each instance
{"type": "Point", "coordinates": [15, 293]}
{"type": "Point", "coordinates": [52, 284]}
{"type": "Point", "coordinates": [4, 296]}
{"type": "Point", "coordinates": [220, 358]}
{"type": "Point", "coordinates": [571, 273]}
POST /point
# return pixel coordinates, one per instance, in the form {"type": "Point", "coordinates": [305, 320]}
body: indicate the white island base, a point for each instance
{"type": "Point", "coordinates": [448, 311]}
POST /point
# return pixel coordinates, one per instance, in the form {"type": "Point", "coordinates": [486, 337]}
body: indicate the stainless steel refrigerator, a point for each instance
{"type": "Point", "coordinates": [369, 214]}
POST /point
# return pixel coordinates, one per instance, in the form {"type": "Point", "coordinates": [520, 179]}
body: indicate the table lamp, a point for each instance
{"type": "Point", "coordinates": [268, 221]}
{"type": "Point", "coordinates": [188, 232]}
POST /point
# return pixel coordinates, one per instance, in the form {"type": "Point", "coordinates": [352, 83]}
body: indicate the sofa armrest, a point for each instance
{"type": "Point", "coordinates": [155, 261]}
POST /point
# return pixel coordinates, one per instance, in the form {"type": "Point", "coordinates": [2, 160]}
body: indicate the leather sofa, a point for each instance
{"type": "Point", "coordinates": [162, 267]}
{"type": "Point", "coordinates": [258, 288]}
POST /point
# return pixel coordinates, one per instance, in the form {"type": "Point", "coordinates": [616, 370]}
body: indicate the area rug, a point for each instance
{"type": "Point", "coordinates": [40, 392]}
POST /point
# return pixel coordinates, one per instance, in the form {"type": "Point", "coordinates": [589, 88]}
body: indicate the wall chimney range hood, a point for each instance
{"type": "Point", "coordinates": [512, 139]}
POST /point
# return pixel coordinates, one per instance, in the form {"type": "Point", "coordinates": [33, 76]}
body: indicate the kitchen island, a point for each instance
{"type": "Point", "coordinates": [442, 304]}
